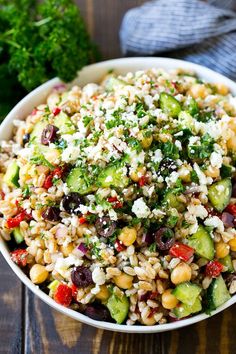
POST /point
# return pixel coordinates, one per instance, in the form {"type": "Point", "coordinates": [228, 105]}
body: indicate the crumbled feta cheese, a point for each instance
{"type": "Point", "coordinates": [216, 159]}
{"type": "Point", "coordinates": [98, 276]}
{"type": "Point", "coordinates": [197, 210]}
{"type": "Point", "coordinates": [140, 208]}
{"type": "Point", "coordinates": [215, 222]}
{"type": "Point", "coordinates": [157, 157]}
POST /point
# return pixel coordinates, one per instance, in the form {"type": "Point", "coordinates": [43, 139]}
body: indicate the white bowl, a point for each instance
{"type": "Point", "coordinates": [93, 73]}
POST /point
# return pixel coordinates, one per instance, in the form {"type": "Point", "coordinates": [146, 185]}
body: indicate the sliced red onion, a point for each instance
{"type": "Point", "coordinates": [145, 296]}
{"type": "Point", "coordinates": [82, 248]}
{"type": "Point", "coordinates": [148, 238]}
{"type": "Point", "coordinates": [59, 87]}
{"type": "Point", "coordinates": [228, 219]}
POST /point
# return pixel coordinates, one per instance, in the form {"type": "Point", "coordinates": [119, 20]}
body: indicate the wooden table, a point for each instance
{"type": "Point", "coordinates": [27, 325]}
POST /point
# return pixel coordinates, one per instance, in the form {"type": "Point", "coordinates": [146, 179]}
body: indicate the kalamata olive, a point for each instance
{"type": "Point", "coordinates": [228, 219]}
{"type": "Point", "coordinates": [26, 138]}
{"type": "Point", "coordinates": [105, 226]}
{"type": "Point", "coordinates": [51, 214]}
{"type": "Point", "coordinates": [49, 134]}
{"type": "Point", "coordinates": [148, 238]}
{"type": "Point", "coordinates": [81, 277]}
{"type": "Point", "coordinates": [164, 238]}
{"type": "Point", "coordinates": [97, 312]}
{"type": "Point", "coordinates": [71, 202]}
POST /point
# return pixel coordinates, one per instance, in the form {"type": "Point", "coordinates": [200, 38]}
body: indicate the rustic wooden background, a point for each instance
{"type": "Point", "coordinates": [27, 325]}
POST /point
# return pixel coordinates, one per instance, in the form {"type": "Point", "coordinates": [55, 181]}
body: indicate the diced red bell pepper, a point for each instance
{"type": "Point", "coordinates": [48, 183]}
{"type": "Point", "coordinates": [181, 251]}
{"type": "Point", "coordinates": [231, 208]}
{"type": "Point", "coordinates": [119, 246]}
{"type": "Point", "coordinates": [35, 110]}
{"type": "Point", "coordinates": [56, 111]}
{"type": "Point", "coordinates": [153, 311]}
{"type": "Point", "coordinates": [2, 195]}
{"type": "Point", "coordinates": [14, 222]}
{"type": "Point", "coordinates": [116, 204]}
{"type": "Point", "coordinates": [82, 220]}
{"type": "Point", "coordinates": [213, 269]}
{"type": "Point", "coordinates": [58, 172]}
{"type": "Point", "coordinates": [19, 257]}
{"type": "Point", "coordinates": [142, 181]}
{"type": "Point", "coordinates": [63, 295]}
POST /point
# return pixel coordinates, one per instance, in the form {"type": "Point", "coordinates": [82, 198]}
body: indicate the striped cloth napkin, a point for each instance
{"type": "Point", "coordinates": [201, 32]}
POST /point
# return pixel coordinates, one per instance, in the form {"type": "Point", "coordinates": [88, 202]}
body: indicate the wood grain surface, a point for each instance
{"type": "Point", "coordinates": [27, 325]}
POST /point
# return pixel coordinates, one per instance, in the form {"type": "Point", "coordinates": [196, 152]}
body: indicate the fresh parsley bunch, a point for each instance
{"type": "Point", "coordinates": [39, 40]}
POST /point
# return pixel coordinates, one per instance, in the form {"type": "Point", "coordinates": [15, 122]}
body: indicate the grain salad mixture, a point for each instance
{"type": "Point", "coordinates": [119, 199]}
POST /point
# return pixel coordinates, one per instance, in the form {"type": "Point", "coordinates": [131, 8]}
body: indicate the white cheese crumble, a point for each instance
{"type": "Point", "coordinates": [215, 222]}
{"type": "Point", "coordinates": [157, 157]}
{"type": "Point", "coordinates": [140, 209]}
{"type": "Point", "coordinates": [216, 159]}
{"type": "Point", "coordinates": [98, 276]}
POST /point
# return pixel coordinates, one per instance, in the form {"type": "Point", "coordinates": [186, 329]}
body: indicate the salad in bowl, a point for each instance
{"type": "Point", "coordinates": [118, 197]}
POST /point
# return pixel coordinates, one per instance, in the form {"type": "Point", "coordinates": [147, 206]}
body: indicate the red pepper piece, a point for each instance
{"type": "Point", "coordinates": [82, 220]}
{"type": "Point", "coordinates": [63, 295]}
{"type": "Point", "coordinates": [153, 311]}
{"type": "Point", "coordinates": [2, 195]}
{"type": "Point", "coordinates": [58, 172]}
{"type": "Point", "coordinates": [116, 204]}
{"type": "Point", "coordinates": [14, 222]}
{"type": "Point", "coordinates": [119, 246]}
{"type": "Point", "coordinates": [181, 251]}
{"type": "Point", "coordinates": [19, 257]}
{"type": "Point", "coordinates": [56, 111]}
{"type": "Point", "coordinates": [35, 110]}
{"type": "Point", "coordinates": [213, 269]}
{"type": "Point", "coordinates": [142, 181]}
{"type": "Point", "coordinates": [231, 208]}
{"type": "Point", "coordinates": [48, 182]}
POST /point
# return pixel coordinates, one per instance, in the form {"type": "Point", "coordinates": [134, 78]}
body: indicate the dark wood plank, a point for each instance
{"type": "Point", "coordinates": [51, 332]}
{"type": "Point", "coordinates": [103, 18]}
{"type": "Point", "coordinates": [12, 316]}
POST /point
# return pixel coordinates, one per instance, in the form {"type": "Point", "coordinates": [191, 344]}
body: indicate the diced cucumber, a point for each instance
{"type": "Point", "coordinates": [112, 176]}
{"type": "Point", "coordinates": [219, 194]}
{"type": "Point", "coordinates": [11, 176]}
{"type": "Point", "coordinates": [217, 293]}
{"type": "Point", "coordinates": [202, 242]}
{"type": "Point", "coordinates": [53, 286]}
{"type": "Point", "coordinates": [35, 136]}
{"type": "Point", "coordinates": [112, 82]}
{"type": "Point", "coordinates": [18, 235]}
{"type": "Point", "coordinates": [118, 307]}
{"type": "Point", "coordinates": [170, 105]}
{"type": "Point", "coordinates": [79, 181]}
{"type": "Point", "coordinates": [186, 120]}
{"type": "Point", "coordinates": [184, 310]}
{"type": "Point", "coordinates": [64, 123]}
{"type": "Point", "coordinates": [226, 171]}
{"type": "Point", "coordinates": [227, 262]}
{"type": "Point", "coordinates": [173, 202]}
{"type": "Point", "coordinates": [187, 292]}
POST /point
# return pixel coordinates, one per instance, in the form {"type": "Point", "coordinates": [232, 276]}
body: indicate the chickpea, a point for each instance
{"type": "Point", "coordinates": [149, 321]}
{"type": "Point", "coordinates": [231, 144]}
{"type": "Point", "coordinates": [138, 173]}
{"type": "Point", "coordinates": [128, 236]}
{"type": "Point", "coordinates": [181, 273]}
{"type": "Point", "coordinates": [184, 173]}
{"type": "Point", "coordinates": [213, 172]}
{"type": "Point", "coordinates": [124, 281]}
{"type": "Point", "coordinates": [168, 300]}
{"type": "Point", "coordinates": [145, 137]}
{"type": "Point", "coordinates": [199, 91]}
{"type": "Point", "coordinates": [232, 244]}
{"type": "Point", "coordinates": [67, 250]}
{"type": "Point", "coordinates": [222, 249]}
{"type": "Point", "coordinates": [222, 89]}
{"type": "Point", "coordinates": [38, 274]}
{"type": "Point", "coordinates": [103, 294]}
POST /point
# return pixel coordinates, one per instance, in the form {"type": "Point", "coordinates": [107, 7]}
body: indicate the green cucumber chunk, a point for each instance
{"type": "Point", "coordinates": [118, 307]}
{"type": "Point", "coordinates": [227, 262]}
{"type": "Point", "coordinates": [11, 176]}
{"type": "Point", "coordinates": [79, 181]}
{"type": "Point", "coordinates": [170, 105]}
{"type": "Point", "coordinates": [172, 201]}
{"type": "Point", "coordinates": [202, 242]}
{"type": "Point", "coordinates": [17, 235]}
{"type": "Point", "coordinates": [219, 194]}
{"type": "Point", "coordinates": [112, 176]}
{"type": "Point", "coordinates": [35, 136]}
{"type": "Point", "coordinates": [217, 293]}
{"type": "Point", "coordinates": [184, 310]}
{"type": "Point", "coordinates": [53, 286]}
{"type": "Point", "coordinates": [187, 292]}
{"type": "Point", "coordinates": [112, 82]}
{"type": "Point", "coordinates": [64, 124]}
{"type": "Point", "coordinates": [186, 121]}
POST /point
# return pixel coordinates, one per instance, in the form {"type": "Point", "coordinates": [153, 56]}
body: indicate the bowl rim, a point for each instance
{"type": "Point", "coordinates": [119, 64]}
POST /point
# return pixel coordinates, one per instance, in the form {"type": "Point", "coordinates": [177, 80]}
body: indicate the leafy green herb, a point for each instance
{"type": "Point", "coordinates": [170, 150]}
{"type": "Point", "coordinates": [40, 160]}
{"type": "Point", "coordinates": [194, 176]}
{"type": "Point", "coordinates": [134, 143]}
{"type": "Point", "coordinates": [26, 192]}
{"type": "Point", "coordinates": [140, 110]}
{"type": "Point", "coordinates": [172, 221]}
{"type": "Point", "coordinates": [87, 120]}
{"type": "Point", "coordinates": [152, 247]}
{"type": "Point", "coordinates": [202, 151]}
{"type": "Point", "coordinates": [40, 40]}
{"type": "Point", "coordinates": [226, 171]}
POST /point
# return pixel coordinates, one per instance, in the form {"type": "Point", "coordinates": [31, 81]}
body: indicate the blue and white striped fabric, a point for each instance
{"type": "Point", "coordinates": [204, 33]}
